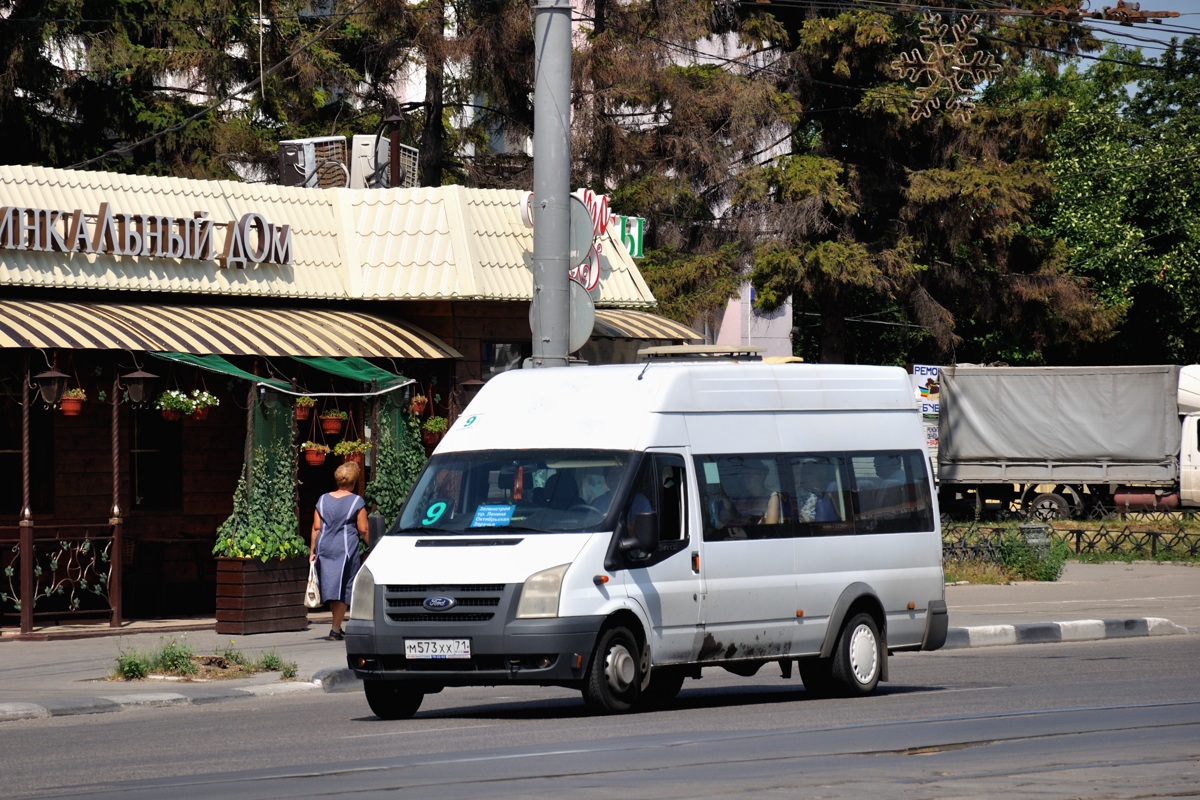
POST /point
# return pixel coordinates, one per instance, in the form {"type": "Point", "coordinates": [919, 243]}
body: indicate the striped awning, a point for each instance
{"type": "Point", "coordinates": [613, 323]}
{"type": "Point", "coordinates": [218, 330]}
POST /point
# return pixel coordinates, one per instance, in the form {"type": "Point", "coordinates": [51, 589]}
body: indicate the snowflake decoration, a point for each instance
{"type": "Point", "coordinates": [948, 71]}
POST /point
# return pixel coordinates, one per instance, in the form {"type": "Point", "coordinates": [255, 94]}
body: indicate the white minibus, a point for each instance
{"type": "Point", "coordinates": [617, 529]}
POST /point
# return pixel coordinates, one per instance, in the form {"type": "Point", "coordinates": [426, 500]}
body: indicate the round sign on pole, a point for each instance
{"type": "Point", "coordinates": [583, 317]}
{"type": "Point", "coordinates": [582, 232]}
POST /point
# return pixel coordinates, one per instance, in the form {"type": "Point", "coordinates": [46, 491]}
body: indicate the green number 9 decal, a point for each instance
{"type": "Point", "coordinates": [434, 513]}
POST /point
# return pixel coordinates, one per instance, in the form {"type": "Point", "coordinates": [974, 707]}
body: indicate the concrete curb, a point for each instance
{"type": "Point", "coordinates": [344, 680]}
{"type": "Point", "coordinates": [1082, 630]}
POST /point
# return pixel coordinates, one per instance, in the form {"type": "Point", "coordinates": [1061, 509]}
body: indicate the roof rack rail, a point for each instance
{"type": "Point", "coordinates": [702, 352]}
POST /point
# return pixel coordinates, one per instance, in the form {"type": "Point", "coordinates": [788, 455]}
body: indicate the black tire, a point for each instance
{"type": "Point", "coordinates": [664, 685]}
{"type": "Point", "coordinates": [614, 677]}
{"type": "Point", "coordinates": [1049, 506]}
{"type": "Point", "coordinates": [392, 699]}
{"type": "Point", "coordinates": [858, 657]}
{"type": "Point", "coordinates": [817, 676]}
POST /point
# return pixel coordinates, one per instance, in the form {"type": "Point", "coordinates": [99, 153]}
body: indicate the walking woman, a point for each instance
{"type": "Point", "coordinates": [338, 523]}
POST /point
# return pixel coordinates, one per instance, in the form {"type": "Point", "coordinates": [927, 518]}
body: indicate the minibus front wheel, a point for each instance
{"type": "Point", "coordinates": [392, 699]}
{"type": "Point", "coordinates": [614, 677]}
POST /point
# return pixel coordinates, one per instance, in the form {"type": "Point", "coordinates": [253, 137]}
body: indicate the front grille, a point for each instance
{"type": "Point", "coordinates": [448, 617]}
{"type": "Point", "coordinates": [473, 603]}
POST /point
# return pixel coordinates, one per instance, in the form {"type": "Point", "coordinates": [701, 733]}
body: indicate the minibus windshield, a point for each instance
{"type": "Point", "coordinates": [531, 491]}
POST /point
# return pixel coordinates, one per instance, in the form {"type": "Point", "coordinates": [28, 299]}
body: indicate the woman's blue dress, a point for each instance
{"type": "Point", "coordinates": [337, 545]}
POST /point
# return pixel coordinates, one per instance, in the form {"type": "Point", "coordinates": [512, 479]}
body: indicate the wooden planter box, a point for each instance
{"type": "Point", "coordinates": [261, 597]}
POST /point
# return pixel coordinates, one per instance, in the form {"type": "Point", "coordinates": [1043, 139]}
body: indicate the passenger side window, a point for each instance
{"type": "Point", "coordinates": [760, 496]}
{"type": "Point", "coordinates": [891, 492]}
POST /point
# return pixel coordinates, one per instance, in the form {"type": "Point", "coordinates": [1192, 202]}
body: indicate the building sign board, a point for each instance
{"type": "Point", "coordinates": [248, 240]}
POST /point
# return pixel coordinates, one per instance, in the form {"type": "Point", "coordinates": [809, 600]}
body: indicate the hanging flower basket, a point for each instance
{"type": "Point", "coordinates": [331, 422]}
{"type": "Point", "coordinates": [433, 429]}
{"type": "Point", "coordinates": [72, 402]}
{"type": "Point", "coordinates": [174, 404]}
{"type": "Point", "coordinates": [304, 407]}
{"type": "Point", "coordinates": [417, 404]}
{"type": "Point", "coordinates": [352, 450]}
{"type": "Point", "coordinates": [202, 401]}
{"type": "Point", "coordinates": [314, 453]}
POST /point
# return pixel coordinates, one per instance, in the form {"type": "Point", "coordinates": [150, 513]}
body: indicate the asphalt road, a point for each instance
{"type": "Point", "coordinates": [1111, 719]}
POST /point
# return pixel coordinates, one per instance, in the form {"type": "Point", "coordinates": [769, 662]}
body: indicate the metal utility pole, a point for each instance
{"type": "Point", "coordinates": [551, 182]}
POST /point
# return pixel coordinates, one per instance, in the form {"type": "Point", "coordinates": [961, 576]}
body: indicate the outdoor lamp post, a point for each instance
{"type": "Point", "coordinates": [135, 385]}
{"type": "Point", "coordinates": [50, 385]}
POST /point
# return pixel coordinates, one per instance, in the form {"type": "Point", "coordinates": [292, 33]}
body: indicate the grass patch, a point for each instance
{"type": "Point", "coordinates": [176, 659]}
{"type": "Point", "coordinates": [976, 572]}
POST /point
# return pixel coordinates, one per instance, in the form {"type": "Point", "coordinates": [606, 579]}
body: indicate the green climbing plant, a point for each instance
{"type": "Point", "coordinates": [263, 522]}
{"type": "Point", "coordinates": [399, 459]}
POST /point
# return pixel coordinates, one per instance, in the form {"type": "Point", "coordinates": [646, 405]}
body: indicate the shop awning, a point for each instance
{"type": "Point", "coordinates": [613, 323]}
{"type": "Point", "coordinates": [353, 368]}
{"type": "Point", "coordinates": [209, 330]}
{"type": "Point", "coordinates": [220, 366]}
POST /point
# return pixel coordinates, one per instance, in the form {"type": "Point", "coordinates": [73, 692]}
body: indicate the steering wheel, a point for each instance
{"type": "Point", "coordinates": [585, 507]}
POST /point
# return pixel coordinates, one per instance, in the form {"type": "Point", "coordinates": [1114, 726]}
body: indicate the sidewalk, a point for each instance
{"type": "Point", "coordinates": [61, 677]}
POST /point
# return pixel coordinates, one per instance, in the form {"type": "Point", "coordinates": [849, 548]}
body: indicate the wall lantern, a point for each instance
{"type": "Point", "coordinates": [268, 398]}
{"type": "Point", "coordinates": [50, 385]}
{"type": "Point", "coordinates": [135, 385]}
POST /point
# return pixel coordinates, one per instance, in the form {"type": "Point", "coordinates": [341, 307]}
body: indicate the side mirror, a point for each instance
{"type": "Point", "coordinates": [642, 540]}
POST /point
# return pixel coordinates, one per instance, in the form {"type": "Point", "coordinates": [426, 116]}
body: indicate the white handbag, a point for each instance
{"type": "Point", "coordinates": [312, 593]}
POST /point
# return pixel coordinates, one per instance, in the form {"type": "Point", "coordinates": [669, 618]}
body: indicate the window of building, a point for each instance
{"type": "Point", "coordinates": [155, 462]}
{"type": "Point", "coordinates": [497, 357]}
{"type": "Point", "coordinates": [41, 458]}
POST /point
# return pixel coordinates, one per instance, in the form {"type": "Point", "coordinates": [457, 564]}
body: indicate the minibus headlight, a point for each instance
{"type": "Point", "coordinates": [362, 596]}
{"type": "Point", "coordinates": [539, 595]}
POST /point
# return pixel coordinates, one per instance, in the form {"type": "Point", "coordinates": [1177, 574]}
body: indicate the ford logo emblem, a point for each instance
{"type": "Point", "coordinates": [439, 603]}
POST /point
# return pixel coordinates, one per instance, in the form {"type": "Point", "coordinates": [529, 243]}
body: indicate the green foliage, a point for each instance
{"type": "Point", "coordinates": [398, 462]}
{"type": "Point", "coordinates": [178, 659]}
{"type": "Point", "coordinates": [132, 665]}
{"type": "Point", "coordinates": [1024, 561]}
{"type": "Point", "coordinates": [1126, 192]}
{"type": "Point", "coordinates": [263, 524]}
{"type": "Point", "coordinates": [333, 413]}
{"type": "Point", "coordinates": [434, 424]}
{"type": "Point", "coordinates": [348, 447]}
{"type": "Point", "coordinates": [174, 658]}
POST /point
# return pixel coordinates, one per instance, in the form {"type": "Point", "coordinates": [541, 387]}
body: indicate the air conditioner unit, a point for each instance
{"type": "Point", "coordinates": [370, 165]}
{"type": "Point", "coordinates": [318, 162]}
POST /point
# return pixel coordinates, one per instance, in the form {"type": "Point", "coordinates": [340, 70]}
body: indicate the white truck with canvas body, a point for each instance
{"type": "Point", "coordinates": [618, 528]}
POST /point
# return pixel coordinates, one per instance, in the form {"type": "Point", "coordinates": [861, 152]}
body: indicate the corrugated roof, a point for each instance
{"type": "Point", "coordinates": [316, 271]}
{"type": "Point", "coordinates": [444, 243]}
{"type": "Point", "coordinates": [462, 243]}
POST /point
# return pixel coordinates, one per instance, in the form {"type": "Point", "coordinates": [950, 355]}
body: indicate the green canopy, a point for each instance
{"type": "Point", "coordinates": [217, 364]}
{"type": "Point", "coordinates": [354, 368]}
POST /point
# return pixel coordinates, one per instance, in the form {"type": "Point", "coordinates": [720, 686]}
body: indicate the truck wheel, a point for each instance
{"type": "Point", "coordinates": [1049, 506]}
{"type": "Point", "coordinates": [391, 699]}
{"type": "Point", "coordinates": [615, 675]}
{"type": "Point", "coordinates": [664, 685]}
{"type": "Point", "coordinates": [858, 658]}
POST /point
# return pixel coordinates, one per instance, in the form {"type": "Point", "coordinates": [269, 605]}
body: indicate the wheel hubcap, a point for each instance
{"type": "Point", "coordinates": [620, 669]}
{"type": "Point", "coordinates": [864, 655]}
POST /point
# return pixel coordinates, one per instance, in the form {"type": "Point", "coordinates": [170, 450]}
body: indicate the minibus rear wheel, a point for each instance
{"type": "Point", "coordinates": [615, 675]}
{"type": "Point", "coordinates": [665, 683]}
{"type": "Point", "coordinates": [391, 699]}
{"type": "Point", "coordinates": [858, 658]}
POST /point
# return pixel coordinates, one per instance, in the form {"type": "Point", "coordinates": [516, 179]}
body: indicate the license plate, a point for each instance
{"type": "Point", "coordinates": [437, 648]}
